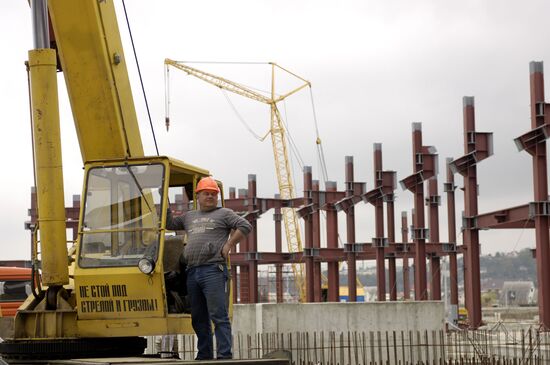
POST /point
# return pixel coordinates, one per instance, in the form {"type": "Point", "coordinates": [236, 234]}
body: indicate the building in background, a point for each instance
{"type": "Point", "coordinates": [518, 293]}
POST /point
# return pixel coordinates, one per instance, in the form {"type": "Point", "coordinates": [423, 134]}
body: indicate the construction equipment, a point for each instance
{"type": "Point", "coordinates": [98, 298]}
{"type": "Point", "coordinates": [280, 149]}
{"type": "Point", "coordinates": [15, 284]}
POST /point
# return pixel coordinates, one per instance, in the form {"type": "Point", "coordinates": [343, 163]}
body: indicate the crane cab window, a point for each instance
{"type": "Point", "coordinates": [121, 221]}
{"type": "Point", "coordinates": [181, 198]}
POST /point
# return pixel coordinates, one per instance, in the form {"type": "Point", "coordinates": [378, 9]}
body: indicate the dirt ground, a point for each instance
{"type": "Point", "coordinates": [512, 318]}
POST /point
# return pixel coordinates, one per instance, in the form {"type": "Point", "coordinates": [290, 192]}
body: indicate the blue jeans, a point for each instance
{"type": "Point", "coordinates": [206, 286]}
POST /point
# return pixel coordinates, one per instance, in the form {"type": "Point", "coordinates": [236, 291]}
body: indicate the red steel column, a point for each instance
{"type": "Point", "coordinates": [308, 223]}
{"type": "Point", "coordinates": [253, 241]}
{"type": "Point", "coordinates": [540, 182]}
{"type": "Point", "coordinates": [244, 272]}
{"type": "Point", "coordinates": [277, 217]}
{"type": "Point", "coordinates": [471, 234]}
{"type": "Point", "coordinates": [435, 261]}
{"type": "Point", "coordinates": [420, 290]}
{"type": "Point", "coordinates": [332, 242]}
{"type": "Point", "coordinates": [316, 216]}
{"type": "Point", "coordinates": [406, 269]}
{"type": "Point", "coordinates": [453, 267]}
{"type": "Point", "coordinates": [392, 270]}
{"type": "Point", "coordinates": [379, 228]}
{"type": "Point", "coordinates": [350, 233]}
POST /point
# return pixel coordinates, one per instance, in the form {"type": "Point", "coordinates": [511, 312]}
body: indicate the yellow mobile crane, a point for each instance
{"type": "Point", "coordinates": [116, 290]}
{"type": "Point", "coordinates": [280, 150]}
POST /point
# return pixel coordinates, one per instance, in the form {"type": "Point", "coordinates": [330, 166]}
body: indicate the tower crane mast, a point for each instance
{"type": "Point", "coordinates": [279, 144]}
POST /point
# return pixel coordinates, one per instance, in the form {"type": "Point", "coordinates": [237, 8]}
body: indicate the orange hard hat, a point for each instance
{"type": "Point", "coordinates": [208, 183]}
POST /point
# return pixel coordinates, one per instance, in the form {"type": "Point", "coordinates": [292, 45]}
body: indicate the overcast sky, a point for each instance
{"type": "Point", "coordinates": [375, 68]}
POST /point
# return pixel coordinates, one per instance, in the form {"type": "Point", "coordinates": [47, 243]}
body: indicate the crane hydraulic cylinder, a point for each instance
{"type": "Point", "coordinates": [48, 167]}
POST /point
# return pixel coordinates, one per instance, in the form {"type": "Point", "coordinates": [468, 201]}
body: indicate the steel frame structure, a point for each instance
{"type": "Point", "coordinates": [245, 259]}
{"type": "Point", "coordinates": [426, 244]}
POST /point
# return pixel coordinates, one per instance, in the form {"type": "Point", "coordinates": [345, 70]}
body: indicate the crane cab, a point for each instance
{"type": "Point", "coordinates": [128, 279]}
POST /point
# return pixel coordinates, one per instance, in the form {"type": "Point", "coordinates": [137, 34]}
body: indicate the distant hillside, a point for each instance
{"type": "Point", "coordinates": [495, 269]}
{"type": "Point", "coordinates": [501, 267]}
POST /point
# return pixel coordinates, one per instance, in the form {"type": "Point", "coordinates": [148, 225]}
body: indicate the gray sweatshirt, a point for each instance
{"type": "Point", "coordinates": [207, 232]}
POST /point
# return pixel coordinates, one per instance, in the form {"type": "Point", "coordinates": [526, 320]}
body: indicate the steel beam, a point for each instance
{"type": "Point", "coordinates": [364, 251]}
{"type": "Point", "coordinates": [392, 270]}
{"type": "Point", "coordinates": [519, 217]}
{"type": "Point", "coordinates": [433, 201]}
{"type": "Point", "coordinates": [350, 231]}
{"type": "Point", "coordinates": [472, 284]}
{"type": "Point", "coordinates": [449, 189]}
{"type": "Point", "coordinates": [277, 218]}
{"type": "Point", "coordinates": [540, 112]}
{"type": "Point", "coordinates": [425, 167]}
{"type": "Point", "coordinates": [252, 240]}
{"type": "Point", "coordinates": [308, 224]}
{"type": "Point", "coordinates": [244, 272]}
{"type": "Point", "coordinates": [420, 289]}
{"type": "Point", "coordinates": [379, 225]}
{"type": "Point", "coordinates": [477, 147]}
{"type": "Point", "coordinates": [332, 243]}
{"type": "Point", "coordinates": [317, 277]}
{"type": "Point", "coordinates": [406, 269]}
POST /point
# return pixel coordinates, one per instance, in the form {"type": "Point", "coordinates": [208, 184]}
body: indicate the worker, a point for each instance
{"type": "Point", "coordinates": [211, 234]}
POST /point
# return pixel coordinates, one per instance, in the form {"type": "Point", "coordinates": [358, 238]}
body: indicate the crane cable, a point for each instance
{"type": "Point", "coordinates": [167, 96]}
{"type": "Point", "coordinates": [290, 139]}
{"type": "Point", "coordinates": [140, 78]}
{"type": "Point", "coordinates": [320, 152]}
{"type": "Point", "coordinates": [142, 86]}
{"type": "Point", "coordinates": [241, 119]}
{"type": "Point", "coordinates": [293, 146]}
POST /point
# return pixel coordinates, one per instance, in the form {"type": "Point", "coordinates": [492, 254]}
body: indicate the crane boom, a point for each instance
{"type": "Point", "coordinates": [220, 82]}
{"type": "Point", "coordinates": [95, 70]}
{"type": "Point", "coordinates": [280, 150]}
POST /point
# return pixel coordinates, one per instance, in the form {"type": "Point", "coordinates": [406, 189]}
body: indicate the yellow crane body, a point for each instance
{"type": "Point", "coordinates": [48, 165]}
{"type": "Point", "coordinates": [127, 302]}
{"type": "Point", "coordinates": [110, 288]}
{"type": "Point", "coordinates": [119, 225]}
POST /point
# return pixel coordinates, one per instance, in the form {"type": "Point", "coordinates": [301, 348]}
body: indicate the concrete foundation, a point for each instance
{"type": "Point", "coordinates": [338, 317]}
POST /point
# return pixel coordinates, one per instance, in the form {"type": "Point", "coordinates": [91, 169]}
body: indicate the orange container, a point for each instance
{"type": "Point", "coordinates": [15, 287]}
